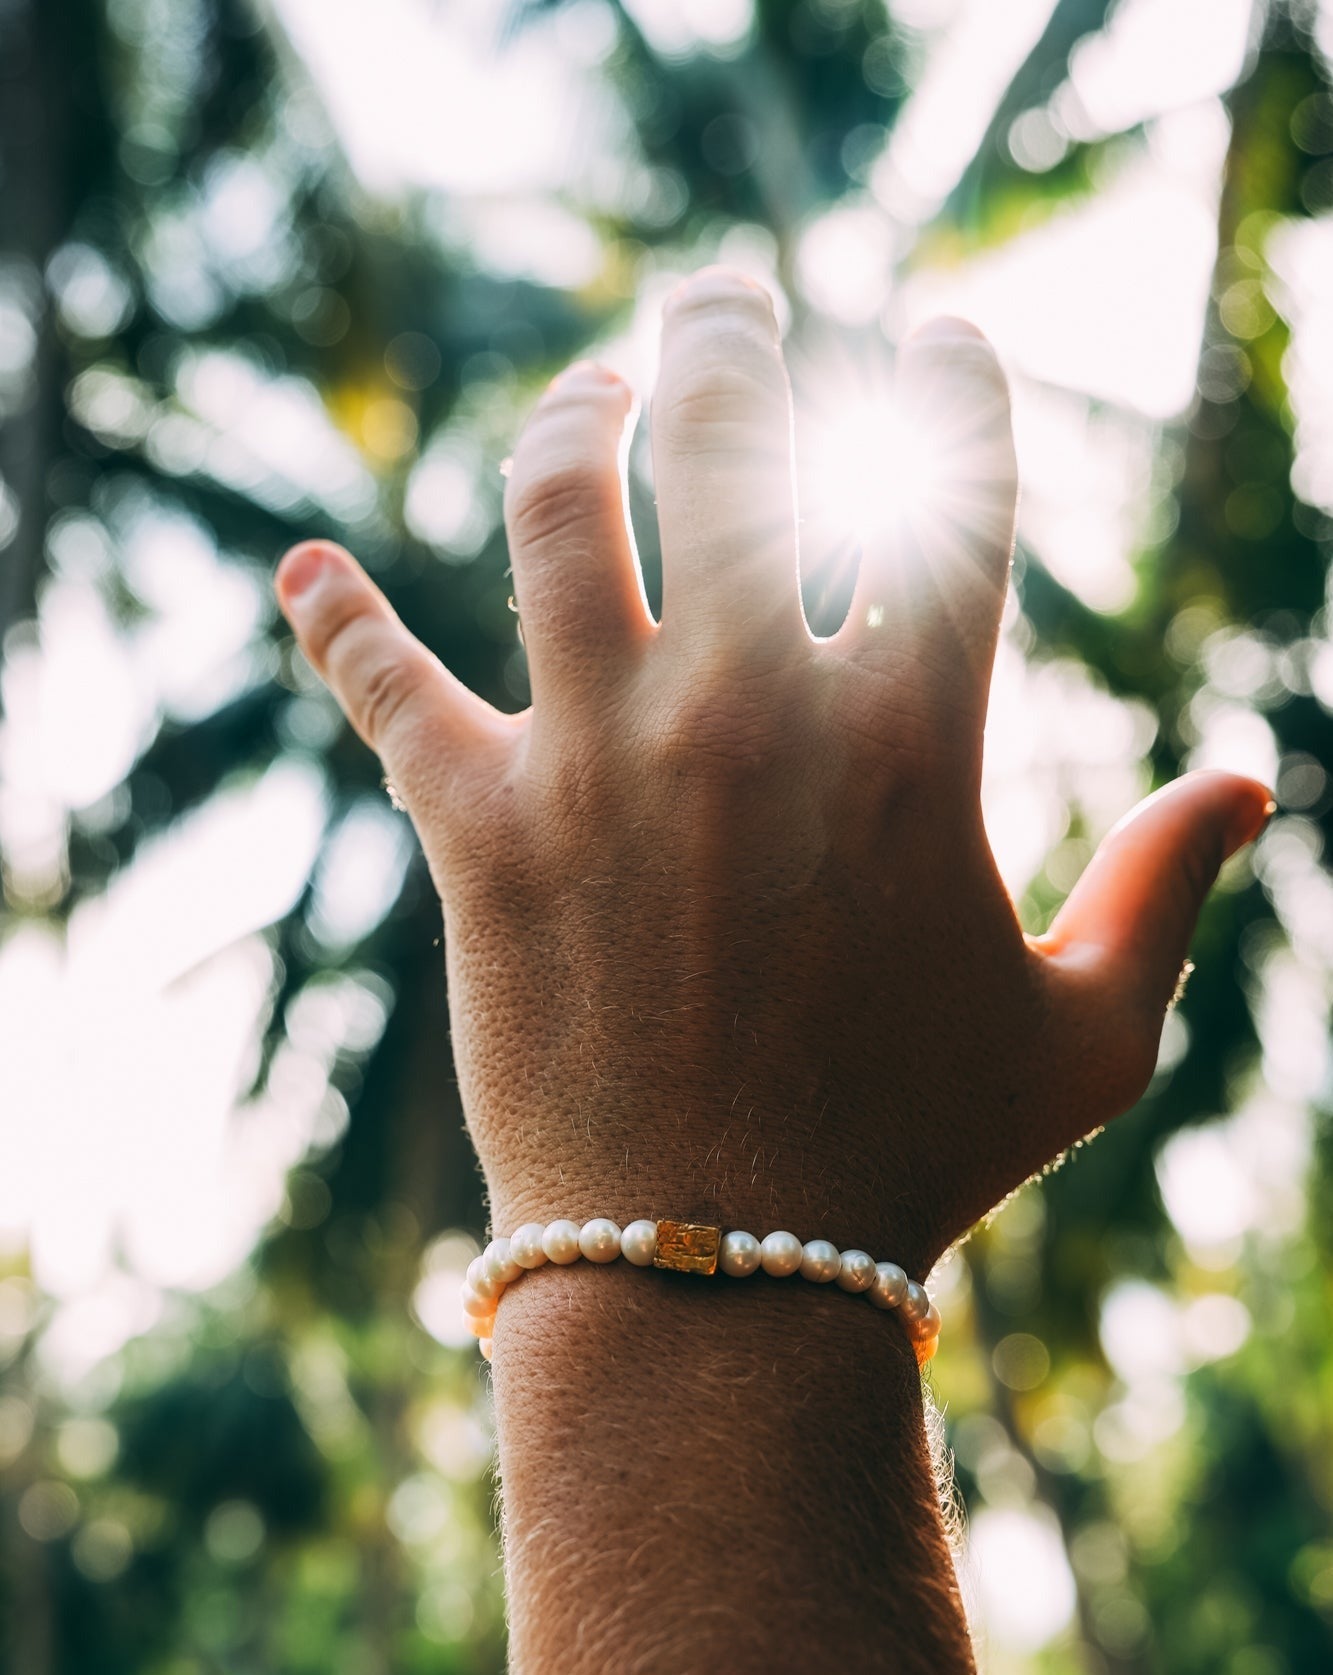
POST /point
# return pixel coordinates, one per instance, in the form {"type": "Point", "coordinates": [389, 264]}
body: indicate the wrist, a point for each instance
{"type": "Point", "coordinates": [669, 1315]}
{"type": "Point", "coordinates": [763, 1445]}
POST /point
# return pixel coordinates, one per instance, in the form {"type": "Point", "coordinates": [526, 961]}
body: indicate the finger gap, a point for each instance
{"type": "Point", "coordinates": [642, 512]}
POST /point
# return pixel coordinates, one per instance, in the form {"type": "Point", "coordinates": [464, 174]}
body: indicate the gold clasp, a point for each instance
{"type": "Point", "coordinates": [687, 1247]}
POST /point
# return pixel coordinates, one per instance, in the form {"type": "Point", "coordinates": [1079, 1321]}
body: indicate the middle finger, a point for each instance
{"type": "Point", "coordinates": [722, 464]}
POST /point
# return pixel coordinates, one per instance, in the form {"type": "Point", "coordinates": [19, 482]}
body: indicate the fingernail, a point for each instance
{"type": "Point", "coordinates": [583, 377]}
{"type": "Point", "coordinates": [300, 569]}
{"type": "Point", "coordinates": [592, 372]}
{"type": "Point", "coordinates": [720, 285]}
{"type": "Point", "coordinates": [945, 328]}
{"type": "Point", "coordinates": [1248, 819]}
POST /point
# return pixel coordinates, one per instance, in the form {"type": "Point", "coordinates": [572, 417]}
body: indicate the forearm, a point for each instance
{"type": "Point", "coordinates": [698, 1472]}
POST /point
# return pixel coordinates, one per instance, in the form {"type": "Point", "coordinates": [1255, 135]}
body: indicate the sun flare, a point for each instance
{"type": "Point", "coordinates": [872, 466]}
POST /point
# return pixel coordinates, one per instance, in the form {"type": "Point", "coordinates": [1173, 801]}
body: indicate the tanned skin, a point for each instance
{"type": "Point", "coordinates": [726, 942]}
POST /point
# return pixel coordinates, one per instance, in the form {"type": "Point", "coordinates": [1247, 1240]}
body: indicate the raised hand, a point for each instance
{"type": "Point", "coordinates": [725, 938]}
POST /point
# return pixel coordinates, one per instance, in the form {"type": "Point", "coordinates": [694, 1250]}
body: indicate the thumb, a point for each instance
{"type": "Point", "coordinates": [1127, 923]}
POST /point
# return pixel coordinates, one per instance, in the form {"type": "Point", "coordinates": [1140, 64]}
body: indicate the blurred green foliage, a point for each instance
{"type": "Point", "coordinates": [289, 1472]}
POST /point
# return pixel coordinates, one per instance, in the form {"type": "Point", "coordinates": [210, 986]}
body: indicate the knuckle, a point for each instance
{"type": "Point", "coordinates": [542, 503]}
{"type": "Point", "coordinates": [724, 391]}
{"type": "Point", "coordinates": [378, 681]}
{"type": "Point", "coordinates": [578, 794]}
{"type": "Point", "coordinates": [904, 742]}
{"type": "Point", "coordinates": [387, 694]}
{"type": "Point", "coordinates": [718, 736]}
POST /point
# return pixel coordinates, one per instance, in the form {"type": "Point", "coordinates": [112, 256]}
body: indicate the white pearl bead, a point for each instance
{"type": "Point", "coordinates": [739, 1254]}
{"type": "Point", "coordinates": [780, 1254]}
{"type": "Point", "coordinates": [481, 1328]}
{"type": "Point", "coordinates": [599, 1240]}
{"type": "Point", "coordinates": [889, 1286]}
{"type": "Point", "coordinates": [560, 1241]}
{"type": "Point", "coordinates": [820, 1261]}
{"type": "Point", "coordinates": [856, 1271]}
{"type": "Point", "coordinates": [638, 1243]}
{"type": "Point", "coordinates": [498, 1263]}
{"type": "Point", "coordinates": [525, 1246]}
{"type": "Point", "coordinates": [475, 1305]}
{"type": "Point", "coordinates": [915, 1303]}
{"type": "Point", "coordinates": [480, 1281]}
{"type": "Point", "coordinates": [484, 1345]}
{"type": "Point", "coordinates": [927, 1327]}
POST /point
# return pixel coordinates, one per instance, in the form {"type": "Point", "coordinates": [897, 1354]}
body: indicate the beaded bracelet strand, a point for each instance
{"type": "Point", "coordinates": [693, 1248]}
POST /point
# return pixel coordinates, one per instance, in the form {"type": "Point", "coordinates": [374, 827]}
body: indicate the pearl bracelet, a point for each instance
{"type": "Point", "coordinates": [693, 1248]}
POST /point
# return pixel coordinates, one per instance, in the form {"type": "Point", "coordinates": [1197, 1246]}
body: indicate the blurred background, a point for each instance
{"type": "Point", "coordinates": [301, 267]}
